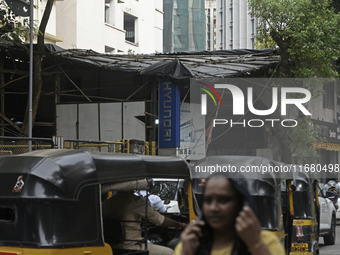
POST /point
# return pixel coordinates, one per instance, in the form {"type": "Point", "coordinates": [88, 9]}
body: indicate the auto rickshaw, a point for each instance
{"type": "Point", "coordinates": [264, 186]}
{"type": "Point", "coordinates": [50, 200]}
{"type": "Point", "coordinates": [301, 210]}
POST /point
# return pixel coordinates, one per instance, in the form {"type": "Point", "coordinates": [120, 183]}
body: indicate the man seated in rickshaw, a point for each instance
{"type": "Point", "coordinates": [130, 209]}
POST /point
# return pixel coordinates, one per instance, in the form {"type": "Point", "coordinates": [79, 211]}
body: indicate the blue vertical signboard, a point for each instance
{"type": "Point", "coordinates": [169, 114]}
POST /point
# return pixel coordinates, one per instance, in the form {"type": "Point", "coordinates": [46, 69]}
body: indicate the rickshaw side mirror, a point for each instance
{"type": "Point", "coordinates": [292, 187]}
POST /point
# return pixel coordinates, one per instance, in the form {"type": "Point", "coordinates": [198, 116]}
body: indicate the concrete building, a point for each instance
{"type": "Point", "coordinates": [325, 111]}
{"type": "Point", "coordinates": [210, 16]}
{"type": "Point", "coordinates": [184, 25]}
{"type": "Point", "coordinates": [235, 28]}
{"type": "Point", "coordinates": [111, 26]}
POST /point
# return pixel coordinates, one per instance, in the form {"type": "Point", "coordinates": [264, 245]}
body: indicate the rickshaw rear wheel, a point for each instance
{"type": "Point", "coordinates": [330, 238]}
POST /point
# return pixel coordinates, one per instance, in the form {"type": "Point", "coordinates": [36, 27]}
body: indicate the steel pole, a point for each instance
{"type": "Point", "coordinates": [30, 90]}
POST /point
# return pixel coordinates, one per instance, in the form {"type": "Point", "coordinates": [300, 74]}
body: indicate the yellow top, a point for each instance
{"type": "Point", "coordinates": [269, 238]}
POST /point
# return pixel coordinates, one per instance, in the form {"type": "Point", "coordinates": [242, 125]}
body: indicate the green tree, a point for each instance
{"type": "Point", "coordinates": [307, 34]}
{"type": "Point", "coordinates": [12, 27]}
{"type": "Point", "coordinates": [17, 29]}
{"type": "Point", "coordinates": [306, 31]}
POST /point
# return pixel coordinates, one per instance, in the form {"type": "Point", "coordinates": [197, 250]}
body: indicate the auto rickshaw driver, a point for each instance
{"type": "Point", "coordinates": [128, 208]}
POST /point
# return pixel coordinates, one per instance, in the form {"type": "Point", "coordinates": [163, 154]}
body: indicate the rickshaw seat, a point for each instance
{"type": "Point", "coordinates": [114, 230]}
{"type": "Point", "coordinates": [129, 252]}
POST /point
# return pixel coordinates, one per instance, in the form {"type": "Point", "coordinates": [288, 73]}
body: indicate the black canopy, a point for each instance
{"type": "Point", "coordinates": [63, 173]}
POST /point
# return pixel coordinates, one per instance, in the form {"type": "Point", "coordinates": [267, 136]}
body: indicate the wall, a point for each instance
{"type": "Point", "coordinates": [67, 23]}
{"type": "Point", "coordinates": [235, 28]}
{"type": "Point", "coordinates": [100, 121]}
{"type": "Point", "coordinates": [81, 24]}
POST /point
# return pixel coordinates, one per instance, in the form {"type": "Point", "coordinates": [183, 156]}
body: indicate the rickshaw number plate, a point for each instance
{"type": "Point", "coordinates": [300, 247]}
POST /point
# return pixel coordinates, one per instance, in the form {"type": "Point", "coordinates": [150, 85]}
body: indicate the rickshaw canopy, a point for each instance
{"type": "Point", "coordinates": [61, 174]}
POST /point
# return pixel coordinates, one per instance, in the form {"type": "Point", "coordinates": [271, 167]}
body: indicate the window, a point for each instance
{"type": "Point", "coordinates": [328, 96]}
{"type": "Point", "coordinates": [252, 26]}
{"type": "Point", "coordinates": [109, 12]}
{"type": "Point", "coordinates": [130, 27]}
{"type": "Point", "coordinates": [109, 50]}
{"type": "Point", "coordinates": [7, 214]}
{"type": "Point", "coordinates": [107, 8]}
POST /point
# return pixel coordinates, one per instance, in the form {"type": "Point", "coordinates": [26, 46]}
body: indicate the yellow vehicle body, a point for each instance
{"type": "Point", "coordinates": [106, 250]}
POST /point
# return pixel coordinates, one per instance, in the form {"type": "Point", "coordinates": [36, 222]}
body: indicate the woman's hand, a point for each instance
{"type": "Point", "coordinates": [248, 226]}
{"type": "Point", "coordinates": [190, 237]}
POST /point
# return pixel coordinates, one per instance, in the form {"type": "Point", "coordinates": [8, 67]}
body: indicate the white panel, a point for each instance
{"type": "Point", "coordinates": [111, 121]}
{"type": "Point", "coordinates": [66, 121]}
{"type": "Point", "coordinates": [192, 145]}
{"type": "Point", "coordinates": [134, 128]}
{"type": "Point", "coordinates": [88, 122]}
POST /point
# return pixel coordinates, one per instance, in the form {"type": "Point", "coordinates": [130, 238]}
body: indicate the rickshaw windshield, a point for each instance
{"type": "Point", "coordinates": [304, 195]}
{"type": "Point", "coordinates": [308, 209]}
{"type": "Point", "coordinates": [166, 190]}
{"type": "Point", "coordinates": [270, 220]}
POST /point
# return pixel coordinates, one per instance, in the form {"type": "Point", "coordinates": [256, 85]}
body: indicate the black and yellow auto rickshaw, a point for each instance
{"type": "Point", "coordinates": [264, 186]}
{"type": "Point", "coordinates": [301, 212]}
{"type": "Point", "coordinates": [50, 200]}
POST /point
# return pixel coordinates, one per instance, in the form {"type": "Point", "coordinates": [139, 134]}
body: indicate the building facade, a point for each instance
{"type": "Point", "coordinates": [325, 111]}
{"type": "Point", "coordinates": [111, 26]}
{"type": "Point", "coordinates": [210, 16]}
{"type": "Point", "coordinates": [236, 29]}
{"type": "Point", "coordinates": [184, 25]}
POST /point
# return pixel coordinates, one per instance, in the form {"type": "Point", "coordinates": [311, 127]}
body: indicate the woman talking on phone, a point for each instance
{"type": "Point", "coordinates": [228, 224]}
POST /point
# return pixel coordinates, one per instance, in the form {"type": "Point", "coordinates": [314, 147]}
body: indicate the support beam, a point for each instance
{"type": "Point", "coordinates": [9, 121]}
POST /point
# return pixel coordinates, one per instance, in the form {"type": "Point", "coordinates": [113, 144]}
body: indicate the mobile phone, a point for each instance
{"type": "Point", "coordinates": [200, 215]}
{"type": "Point", "coordinates": [206, 230]}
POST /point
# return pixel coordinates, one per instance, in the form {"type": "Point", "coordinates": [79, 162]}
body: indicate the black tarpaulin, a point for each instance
{"type": "Point", "coordinates": [233, 52]}
{"type": "Point", "coordinates": [172, 69]}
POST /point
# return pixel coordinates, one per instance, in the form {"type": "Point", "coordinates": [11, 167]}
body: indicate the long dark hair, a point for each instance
{"type": "Point", "coordinates": [239, 247]}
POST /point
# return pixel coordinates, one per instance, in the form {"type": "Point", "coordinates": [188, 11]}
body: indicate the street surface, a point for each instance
{"type": "Point", "coordinates": [331, 249]}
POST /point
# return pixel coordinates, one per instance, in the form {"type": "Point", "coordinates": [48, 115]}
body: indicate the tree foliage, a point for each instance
{"type": "Point", "coordinates": [306, 33]}
{"type": "Point", "coordinates": [13, 28]}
